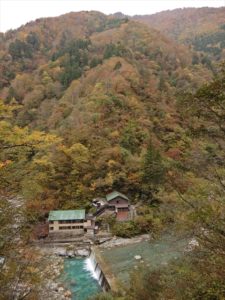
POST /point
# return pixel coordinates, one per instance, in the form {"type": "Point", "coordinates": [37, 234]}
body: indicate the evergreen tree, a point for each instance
{"type": "Point", "coordinates": [153, 170]}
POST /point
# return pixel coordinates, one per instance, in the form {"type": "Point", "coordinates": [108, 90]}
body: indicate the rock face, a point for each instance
{"type": "Point", "coordinates": [2, 260]}
{"type": "Point", "coordinates": [68, 294]}
{"type": "Point", "coordinates": [82, 252]}
{"type": "Point", "coordinates": [114, 242]}
{"type": "Point", "coordinates": [72, 253]}
{"type": "Point", "coordinates": [61, 252]}
{"type": "Point", "coordinates": [193, 243]}
{"type": "Point", "coordinates": [52, 288]}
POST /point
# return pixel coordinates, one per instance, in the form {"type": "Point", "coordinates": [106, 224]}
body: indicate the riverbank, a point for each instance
{"type": "Point", "coordinates": [55, 269]}
{"type": "Point", "coordinates": [54, 256]}
{"type": "Point", "coordinates": [52, 288]}
{"type": "Point", "coordinates": [126, 256]}
{"type": "Point", "coordinates": [116, 241]}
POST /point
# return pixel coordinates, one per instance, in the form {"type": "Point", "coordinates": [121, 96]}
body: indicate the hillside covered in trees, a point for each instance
{"type": "Point", "coordinates": [93, 103]}
{"type": "Point", "coordinates": [203, 29]}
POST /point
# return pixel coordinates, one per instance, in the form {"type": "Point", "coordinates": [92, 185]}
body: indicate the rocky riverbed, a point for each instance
{"type": "Point", "coordinates": [52, 287]}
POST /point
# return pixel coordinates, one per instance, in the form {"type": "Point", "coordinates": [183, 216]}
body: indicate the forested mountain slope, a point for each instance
{"type": "Point", "coordinates": [93, 103]}
{"type": "Point", "coordinates": [202, 28]}
{"type": "Point", "coordinates": [103, 84]}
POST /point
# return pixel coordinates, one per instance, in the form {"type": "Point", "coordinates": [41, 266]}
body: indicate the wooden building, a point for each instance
{"type": "Point", "coordinates": [119, 203]}
{"type": "Point", "coordinates": [116, 204]}
{"type": "Point", "coordinates": [70, 221]}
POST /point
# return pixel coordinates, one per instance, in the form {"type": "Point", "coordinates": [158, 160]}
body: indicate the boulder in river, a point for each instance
{"type": "Point", "coordinates": [61, 252]}
{"type": "Point", "coordinates": [68, 294]}
{"type": "Point", "coordinates": [82, 252]}
{"type": "Point", "coordinates": [73, 283]}
{"type": "Point", "coordinates": [70, 253]}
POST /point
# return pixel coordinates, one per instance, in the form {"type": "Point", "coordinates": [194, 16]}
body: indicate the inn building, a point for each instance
{"type": "Point", "coordinates": [66, 221]}
{"type": "Point", "coordinates": [77, 222]}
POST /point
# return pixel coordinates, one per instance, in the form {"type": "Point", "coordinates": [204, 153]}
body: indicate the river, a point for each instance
{"type": "Point", "coordinates": [79, 274]}
{"type": "Point", "coordinates": [79, 278]}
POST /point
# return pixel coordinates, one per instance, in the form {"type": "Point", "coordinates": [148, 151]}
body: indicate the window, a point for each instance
{"type": "Point", "coordinates": [77, 221]}
{"type": "Point", "coordinates": [122, 208]}
{"type": "Point", "coordinates": [64, 227]}
{"type": "Point", "coordinates": [111, 208]}
{"type": "Point", "coordinates": [64, 221]}
{"type": "Point", "coordinates": [70, 221]}
{"type": "Point", "coordinates": [77, 227]}
{"type": "Point", "coordinates": [51, 228]}
{"type": "Point", "coordinates": [51, 222]}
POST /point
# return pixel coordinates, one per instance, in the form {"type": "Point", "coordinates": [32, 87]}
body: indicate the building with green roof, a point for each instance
{"type": "Point", "coordinates": [114, 195]}
{"type": "Point", "coordinates": [57, 215]}
{"type": "Point", "coordinates": [70, 221]}
{"type": "Point", "coordinates": [116, 204]}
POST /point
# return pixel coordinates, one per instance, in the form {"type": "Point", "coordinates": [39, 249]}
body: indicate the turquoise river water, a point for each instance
{"type": "Point", "coordinates": [79, 278]}
{"type": "Point", "coordinates": [79, 274]}
{"type": "Point", "coordinates": [154, 253]}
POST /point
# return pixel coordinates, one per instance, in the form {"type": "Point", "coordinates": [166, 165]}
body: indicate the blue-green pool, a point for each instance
{"type": "Point", "coordinates": [79, 279]}
{"type": "Point", "coordinates": [155, 254]}
{"type": "Point", "coordinates": [79, 275]}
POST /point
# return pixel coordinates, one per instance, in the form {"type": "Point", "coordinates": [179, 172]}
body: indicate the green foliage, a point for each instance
{"type": "Point", "coordinates": [111, 23]}
{"type": "Point", "coordinates": [148, 220]}
{"type": "Point", "coordinates": [118, 65]}
{"type": "Point", "coordinates": [114, 50]}
{"type": "Point", "coordinates": [153, 168]}
{"type": "Point", "coordinates": [20, 49]}
{"type": "Point", "coordinates": [74, 59]}
{"type": "Point", "coordinates": [132, 137]}
{"type": "Point", "coordinates": [101, 123]}
{"type": "Point", "coordinates": [125, 229]}
{"type": "Point", "coordinates": [95, 61]}
{"type": "Point", "coordinates": [222, 26]}
{"type": "Point", "coordinates": [210, 43]}
{"type": "Point", "coordinates": [108, 296]}
{"type": "Point", "coordinates": [33, 40]}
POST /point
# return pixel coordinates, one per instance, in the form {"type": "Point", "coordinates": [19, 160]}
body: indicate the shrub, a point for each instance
{"type": "Point", "coordinates": [126, 229]}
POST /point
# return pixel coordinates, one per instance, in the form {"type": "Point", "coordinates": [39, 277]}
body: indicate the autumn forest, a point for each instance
{"type": "Point", "coordinates": [91, 103]}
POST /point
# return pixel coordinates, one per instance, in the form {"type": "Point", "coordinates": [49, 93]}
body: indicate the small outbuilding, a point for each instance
{"type": "Point", "coordinates": [116, 204]}
{"type": "Point", "coordinates": [119, 203]}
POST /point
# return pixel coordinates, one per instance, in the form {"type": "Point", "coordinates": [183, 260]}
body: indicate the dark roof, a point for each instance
{"type": "Point", "coordinates": [56, 215]}
{"type": "Point", "coordinates": [115, 194]}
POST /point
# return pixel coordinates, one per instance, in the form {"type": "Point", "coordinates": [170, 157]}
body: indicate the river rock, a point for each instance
{"type": "Point", "coordinates": [61, 252]}
{"type": "Point", "coordinates": [53, 286]}
{"type": "Point", "coordinates": [2, 260]}
{"type": "Point", "coordinates": [73, 283]}
{"type": "Point", "coordinates": [193, 243]}
{"type": "Point", "coordinates": [137, 257]}
{"type": "Point", "coordinates": [68, 294]}
{"type": "Point", "coordinates": [70, 253]}
{"type": "Point", "coordinates": [82, 252]}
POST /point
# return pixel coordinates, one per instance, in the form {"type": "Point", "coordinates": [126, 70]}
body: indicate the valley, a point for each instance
{"type": "Point", "coordinates": [92, 105]}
